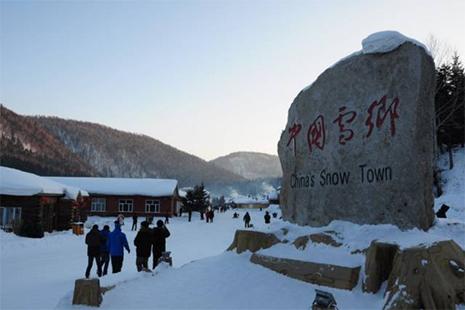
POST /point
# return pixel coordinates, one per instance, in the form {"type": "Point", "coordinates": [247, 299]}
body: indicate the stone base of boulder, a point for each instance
{"type": "Point", "coordinates": [427, 278]}
{"type": "Point", "coordinates": [252, 240]}
{"type": "Point", "coordinates": [378, 265]}
{"type": "Point", "coordinates": [87, 292]}
{"type": "Point", "coordinates": [316, 273]}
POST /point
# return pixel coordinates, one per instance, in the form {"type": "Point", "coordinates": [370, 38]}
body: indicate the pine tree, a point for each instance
{"type": "Point", "coordinates": [197, 199]}
{"type": "Point", "coordinates": [450, 103]}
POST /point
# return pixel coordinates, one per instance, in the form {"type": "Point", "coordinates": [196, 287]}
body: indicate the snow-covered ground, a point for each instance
{"type": "Point", "coordinates": [40, 273]}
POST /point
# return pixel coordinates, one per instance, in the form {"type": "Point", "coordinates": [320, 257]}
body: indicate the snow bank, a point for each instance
{"type": "Point", "coordinates": [453, 186]}
{"type": "Point", "coordinates": [122, 186]}
{"type": "Point", "coordinates": [19, 183]}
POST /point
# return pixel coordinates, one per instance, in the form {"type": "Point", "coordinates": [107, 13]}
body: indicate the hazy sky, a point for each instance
{"type": "Point", "coordinates": [207, 77]}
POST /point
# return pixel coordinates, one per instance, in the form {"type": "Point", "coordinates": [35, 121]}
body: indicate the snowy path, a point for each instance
{"type": "Point", "coordinates": [37, 273]}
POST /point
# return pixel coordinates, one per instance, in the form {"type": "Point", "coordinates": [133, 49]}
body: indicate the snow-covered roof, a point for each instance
{"type": "Point", "coordinates": [248, 200]}
{"type": "Point", "coordinates": [122, 186]}
{"type": "Point", "coordinates": [273, 195]}
{"type": "Point", "coordinates": [19, 183]}
{"type": "Point", "coordinates": [182, 193]}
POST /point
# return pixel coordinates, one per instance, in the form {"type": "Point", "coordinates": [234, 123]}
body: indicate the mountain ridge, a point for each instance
{"type": "Point", "coordinates": [250, 165]}
{"type": "Point", "coordinates": [49, 145]}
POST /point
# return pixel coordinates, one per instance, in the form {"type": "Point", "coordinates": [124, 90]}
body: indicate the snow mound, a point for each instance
{"type": "Point", "coordinates": [386, 41]}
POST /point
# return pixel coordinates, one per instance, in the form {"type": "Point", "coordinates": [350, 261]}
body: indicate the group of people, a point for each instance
{"type": "Point", "coordinates": [247, 218]}
{"type": "Point", "coordinates": [103, 246]}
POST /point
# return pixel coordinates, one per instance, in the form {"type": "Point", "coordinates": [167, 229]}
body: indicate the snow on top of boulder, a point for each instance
{"type": "Point", "coordinates": [19, 183]}
{"type": "Point", "coordinates": [122, 186]}
{"type": "Point", "coordinates": [378, 43]}
{"type": "Point", "coordinates": [386, 41]}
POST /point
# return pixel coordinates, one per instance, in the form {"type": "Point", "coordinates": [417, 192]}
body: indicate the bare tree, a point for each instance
{"type": "Point", "coordinates": [440, 50]}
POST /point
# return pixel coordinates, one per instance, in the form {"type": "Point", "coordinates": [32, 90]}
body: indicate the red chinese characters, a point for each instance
{"type": "Point", "coordinates": [342, 120]}
{"type": "Point", "coordinates": [380, 110]}
{"type": "Point", "coordinates": [293, 132]}
{"type": "Point", "coordinates": [316, 134]}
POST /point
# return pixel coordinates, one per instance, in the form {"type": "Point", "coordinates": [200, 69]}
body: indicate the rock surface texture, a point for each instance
{"type": "Point", "coordinates": [378, 265]}
{"type": "Point", "coordinates": [427, 278]}
{"type": "Point", "coordinates": [321, 274]}
{"type": "Point", "coordinates": [358, 144]}
{"type": "Point", "coordinates": [252, 241]}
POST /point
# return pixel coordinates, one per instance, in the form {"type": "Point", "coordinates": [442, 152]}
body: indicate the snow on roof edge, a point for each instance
{"type": "Point", "coordinates": [16, 182]}
{"type": "Point", "coordinates": [122, 186]}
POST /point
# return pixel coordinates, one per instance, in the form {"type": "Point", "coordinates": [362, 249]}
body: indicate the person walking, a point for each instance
{"type": "Point", "coordinates": [159, 235]}
{"type": "Point", "coordinates": [117, 242]}
{"type": "Point", "coordinates": [120, 219]}
{"type": "Point", "coordinates": [212, 215]}
{"type": "Point", "coordinates": [267, 217]}
{"type": "Point", "coordinates": [143, 244]}
{"type": "Point", "coordinates": [134, 223]}
{"type": "Point", "coordinates": [93, 240]}
{"type": "Point", "coordinates": [104, 251]}
{"type": "Point", "coordinates": [246, 219]}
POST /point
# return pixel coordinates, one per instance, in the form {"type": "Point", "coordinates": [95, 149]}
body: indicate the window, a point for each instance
{"type": "Point", "coordinates": [152, 206]}
{"type": "Point", "coordinates": [98, 205]}
{"type": "Point", "coordinates": [125, 205]}
{"type": "Point", "coordinates": [9, 216]}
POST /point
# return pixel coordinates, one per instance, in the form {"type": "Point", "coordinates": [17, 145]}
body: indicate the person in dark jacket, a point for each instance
{"type": "Point", "coordinates": [143, 243]}
{"type": "Point", "coordinates": [104, 251]}
{"type": "Point", "coordinates": [267, 217]}
{"type": "Point", "coordinates": [134, 223]}
{"type": "Point", "coordinates": [159, 235]}
{"type": "Point", "coordinates": [94, 240]}
{"type": "Point", "coordinates": [117, 242]}
{"type": "Point", "coordinates": [246, 219]}
{"type": "Point", "coordinates": [212, 215]}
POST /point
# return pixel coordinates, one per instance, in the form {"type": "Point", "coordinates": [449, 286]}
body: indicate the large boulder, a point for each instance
{"type": "Point", "coordinates": [252, 241]}
{"type": "Point", "coordinates": [358, 144]}
{"type": "Point", "coordinates": [87, 292]}
{"type": "Point", "coordinates": [316, 273]}
{"type": "Point", "coordinates": [378, 265]}
{"type": "Point", "coordinates": [427, 278]}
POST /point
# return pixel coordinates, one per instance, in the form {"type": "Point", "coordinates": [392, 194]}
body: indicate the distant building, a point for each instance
{"type": "Point", "coordinates": [30, 204]}
{"type": "Point", "coordinates": [143, 197]}
{"type": "Point", "coordinates": [273, 196]}
{"type": "Point", "coordinates": [248, 202]}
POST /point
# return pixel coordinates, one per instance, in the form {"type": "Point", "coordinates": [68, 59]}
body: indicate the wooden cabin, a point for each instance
{"type": "Point", "coordinates": [144, 197]}
{"type": "Point", "coordinates": [31, 205]}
